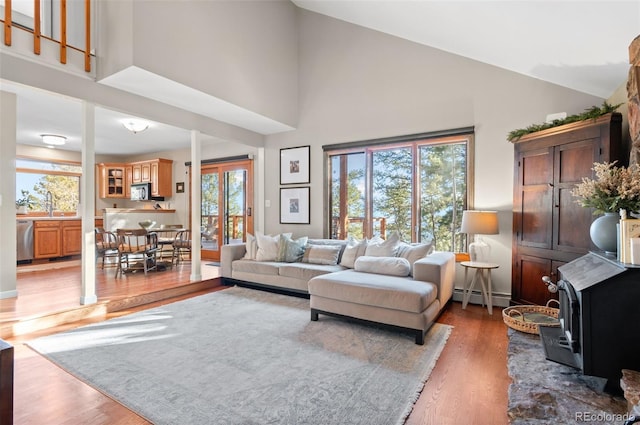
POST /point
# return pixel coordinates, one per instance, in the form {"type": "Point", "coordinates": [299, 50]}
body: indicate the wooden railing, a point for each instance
{"type": "Point", "coordinates": [337, 233]}
{"type": "Point", "coordinates": [37, 31]}
{"type": "Point", "coordinates": [210, 222]}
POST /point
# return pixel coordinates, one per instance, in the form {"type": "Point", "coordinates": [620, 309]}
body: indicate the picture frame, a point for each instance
{"type": "Point", "coordinates": [294, 165]}
{"type": "Point", "coordinates": [295, 206]}
{"type": "Point", "coordinates": [180, 187]}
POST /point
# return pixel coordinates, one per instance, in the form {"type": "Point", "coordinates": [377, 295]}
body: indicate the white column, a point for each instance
{"type": "Point", "coordinates": [196, 202]}
{"type": "Point", "coordinates": [8, 269]}
{"type": "Point", "coordinates": [88, 199]}
{"type": "Point", "coordinates": [259, 180]}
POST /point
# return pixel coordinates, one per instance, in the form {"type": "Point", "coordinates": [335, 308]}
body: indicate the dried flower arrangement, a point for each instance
{"type": "Point", "coordinates": [614, 189]}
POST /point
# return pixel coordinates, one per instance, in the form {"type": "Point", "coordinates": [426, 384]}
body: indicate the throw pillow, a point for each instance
{"type": "Point", "coordinates": [267, 246]}
{"type": "Point", "coordinates": [322, 254]}
{"type": "Point", "coordinates": [252, 247]}
{"type": "Point", "coordinates": [290, 250]}
{"type": "Point", "coordinates": [391, 266]}
{"type": "Point", "coordinates": [352, 251]}
{"type": "Point", "coordinates": [413, 252]}
{"type": "Point", "coordinates": [378, 247]}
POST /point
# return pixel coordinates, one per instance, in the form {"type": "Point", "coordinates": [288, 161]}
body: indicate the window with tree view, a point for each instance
{"type": "Point", "coordinates": [417, 186]}
{"type": "Point", "coordinates": [34, 179]}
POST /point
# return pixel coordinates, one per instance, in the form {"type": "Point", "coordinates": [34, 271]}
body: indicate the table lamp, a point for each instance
{"type": "Point", "coordinates": [479, 223]}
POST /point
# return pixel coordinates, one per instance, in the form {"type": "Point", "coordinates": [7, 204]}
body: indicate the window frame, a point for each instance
{"type": "Point", "coordinates": [414, 142]}
{"type": "Point", "coordinates": [43, 171]}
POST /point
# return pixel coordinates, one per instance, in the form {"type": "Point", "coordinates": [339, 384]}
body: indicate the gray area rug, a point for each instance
{"type": "Point", "coordinates": [545, 392]}
{"type": "Point", "coordinates": [242, 356]}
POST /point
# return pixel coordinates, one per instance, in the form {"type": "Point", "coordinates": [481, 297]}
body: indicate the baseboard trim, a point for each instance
{"type": "Point", "coordinates": [498, 300]}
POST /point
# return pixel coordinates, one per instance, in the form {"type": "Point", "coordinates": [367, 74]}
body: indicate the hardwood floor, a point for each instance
{"type": "Point", "coordinates": [468, 384]}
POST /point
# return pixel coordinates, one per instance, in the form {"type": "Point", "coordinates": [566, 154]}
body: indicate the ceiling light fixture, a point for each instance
{"type": "Point", "coordinates": [135, 125]}
{"type": "Point", "coordinates": [53, 140]}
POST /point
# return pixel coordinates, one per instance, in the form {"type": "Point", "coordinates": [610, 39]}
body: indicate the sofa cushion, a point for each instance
{"type": "Point", "coordinates": [352, 251]}
{"type": "Point", "coordinates": [322, 254]}
{"type": "Point", "coordinates": [290, 250]}
{"type": "Point", "coordinates": [392, 266]}
{"type": "Point", "coordinates": [378, 247]}
{"type": "Point", "coordinates": [399, 293]}
{"type": "Point", "coordinates": [252, 266]}
{"type": "Point", "coordinates": [306, 271]}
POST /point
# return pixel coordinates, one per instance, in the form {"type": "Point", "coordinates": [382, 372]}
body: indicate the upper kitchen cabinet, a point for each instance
{"type": "Point", "coordinates": [113, 180]}
{"type": "Point", "coordinates": [116, 179]}
{"type": "Point", "coordinates": [158, 172]}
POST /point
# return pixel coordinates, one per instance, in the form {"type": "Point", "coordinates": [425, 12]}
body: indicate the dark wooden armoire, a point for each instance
{"type": "Point", "coordinates": [549, 227]}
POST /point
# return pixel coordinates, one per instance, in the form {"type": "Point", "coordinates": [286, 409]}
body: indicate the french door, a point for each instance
{"type": "Point", "coordinates": [226, 210]}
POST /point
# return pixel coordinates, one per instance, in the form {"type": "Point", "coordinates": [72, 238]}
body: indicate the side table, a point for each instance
{"type": "Point", "coordinates": [482, 274]}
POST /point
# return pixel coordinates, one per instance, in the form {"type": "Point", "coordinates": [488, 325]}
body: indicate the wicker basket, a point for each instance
{"type": "Point", "coordinates": [527, 318]}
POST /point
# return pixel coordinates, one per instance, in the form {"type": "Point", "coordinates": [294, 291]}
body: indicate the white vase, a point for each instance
{"type": "Point", "coordinates": [22, 209]}
{"type": "Point", "coordinates": [604, 233]}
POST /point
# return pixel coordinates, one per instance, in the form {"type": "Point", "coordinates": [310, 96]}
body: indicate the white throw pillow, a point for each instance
{"type": "Point", "coordinates": [252, 247]}
{"type": "Point", "coordinates": [413, 252]}
{"type": "Point", "coordinates": [322, 254]}
{"type": "Point", "coordinates": [352, 251]}
{"type": "Point", "coordinates": [268, 246]}
{"type": "Point", "coordinates": [391, 266]}
{"type": "Point", "coordinates": [378, 247]}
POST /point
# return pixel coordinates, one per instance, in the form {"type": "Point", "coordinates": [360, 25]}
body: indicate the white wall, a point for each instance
{"type": "Point", "coordinates": [243, 52]}
{"type": "Point", "coordinates": [359, 84]}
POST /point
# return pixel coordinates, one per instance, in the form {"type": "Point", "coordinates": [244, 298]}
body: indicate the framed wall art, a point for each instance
{"type": "Point", "coordinates": [294, 165]}
{"type": "Point", "coordinates": [294, 205]}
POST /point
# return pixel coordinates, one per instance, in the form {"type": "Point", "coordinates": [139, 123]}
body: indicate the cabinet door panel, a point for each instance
{"type": "Point", "coordinates": [534, 209]}
{"type": "Point", "coordinates": [531, 289]}
{"type": "Point", "coordinates": [71, 238]}
{"type": "Point", "coordinates": [46, 242]}
{"type": "Point", "coordinates": [572, 162]}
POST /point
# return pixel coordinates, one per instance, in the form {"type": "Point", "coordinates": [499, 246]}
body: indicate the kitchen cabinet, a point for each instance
{"type": "Point", "coordinates": [57, 238]}
{"type": "Point", "coordinates": [549, 227]}
{"type": "Point", "coordinates": [158, 172]}
{"type": "Point", "coordinates": [71, 237]}
{"type": "Point", "coordinates": [113, 180]}
{"type": "Point", "coordinates": [47, 237]}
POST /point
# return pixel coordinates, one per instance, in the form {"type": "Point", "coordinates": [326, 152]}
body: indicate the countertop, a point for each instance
{"type": "Point", "coordinates": [45, 218]}
{"type": "Point", "coordinates": [137, 210]}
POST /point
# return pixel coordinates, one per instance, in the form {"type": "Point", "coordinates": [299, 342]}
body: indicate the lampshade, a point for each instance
{"type": "Point", "coordinates": [479, 222]}
{"type": "Point", "coordinates": [135, 125]}
{"type": "Point", "coordinates": [53, 139]}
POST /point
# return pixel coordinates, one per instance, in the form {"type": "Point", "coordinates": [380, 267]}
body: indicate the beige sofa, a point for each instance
{"type": "Point", "coordinates": [376, 295]}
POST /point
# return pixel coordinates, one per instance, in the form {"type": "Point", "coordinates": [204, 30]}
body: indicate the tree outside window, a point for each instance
{"type": "Point", "coordinates": [416, 186]}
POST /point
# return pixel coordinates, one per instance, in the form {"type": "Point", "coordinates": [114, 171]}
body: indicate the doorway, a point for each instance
{"type": "Point", "coordinates": [226, 210]}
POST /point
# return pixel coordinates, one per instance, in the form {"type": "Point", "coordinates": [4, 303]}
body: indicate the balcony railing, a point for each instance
{"type": "Point", "coordinates": [34, 26]}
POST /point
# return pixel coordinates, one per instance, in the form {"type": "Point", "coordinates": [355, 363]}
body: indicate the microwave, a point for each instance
{"type": "Point", "coordinates": [141, 192]}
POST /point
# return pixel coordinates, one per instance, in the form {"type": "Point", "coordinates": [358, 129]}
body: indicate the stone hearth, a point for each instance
{"type": "Point", "coordinates": [545, 392]}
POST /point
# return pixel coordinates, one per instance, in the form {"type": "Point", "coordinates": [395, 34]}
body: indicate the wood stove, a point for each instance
{"type": "Point", "coordinates": [599, 331]}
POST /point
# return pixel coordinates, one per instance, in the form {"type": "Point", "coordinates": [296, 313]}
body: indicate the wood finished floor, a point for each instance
{"type": "Point", "coordinates": [467, 386]}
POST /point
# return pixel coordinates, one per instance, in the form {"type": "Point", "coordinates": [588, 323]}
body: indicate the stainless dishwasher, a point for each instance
{"type": "Point", "coordinates": [24, 233]}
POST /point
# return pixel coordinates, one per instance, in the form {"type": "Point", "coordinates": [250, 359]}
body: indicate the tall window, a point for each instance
{"type": "Point", "coordinates": [35, 178]}
{"type": "Point", "coordinates": [415, 185]}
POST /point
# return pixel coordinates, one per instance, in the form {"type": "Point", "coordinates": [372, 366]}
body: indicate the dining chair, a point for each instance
{"type": "Point", "coordinates": [106, 245]}
{"type": "Point", "coordinates": [181, 245]}
{"type": "Point", "coordinates": [134, 246]}
{"type": "Point", "coordinates": [166, 236]}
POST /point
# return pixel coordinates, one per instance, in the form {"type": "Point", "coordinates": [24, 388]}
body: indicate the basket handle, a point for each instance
{"type": "Point", "coordinates": [510, 314]}
{"type": "Point", "coordinates": [554, 300]}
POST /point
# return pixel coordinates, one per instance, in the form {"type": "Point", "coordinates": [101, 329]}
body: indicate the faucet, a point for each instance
{"type": "Point", "coordinates": [49, 203]}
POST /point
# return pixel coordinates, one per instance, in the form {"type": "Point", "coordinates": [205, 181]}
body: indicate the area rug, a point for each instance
{"type": "Point", "coordinates": [545, 392]}
{"type": "Point", "coordinates": [242, 356]}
